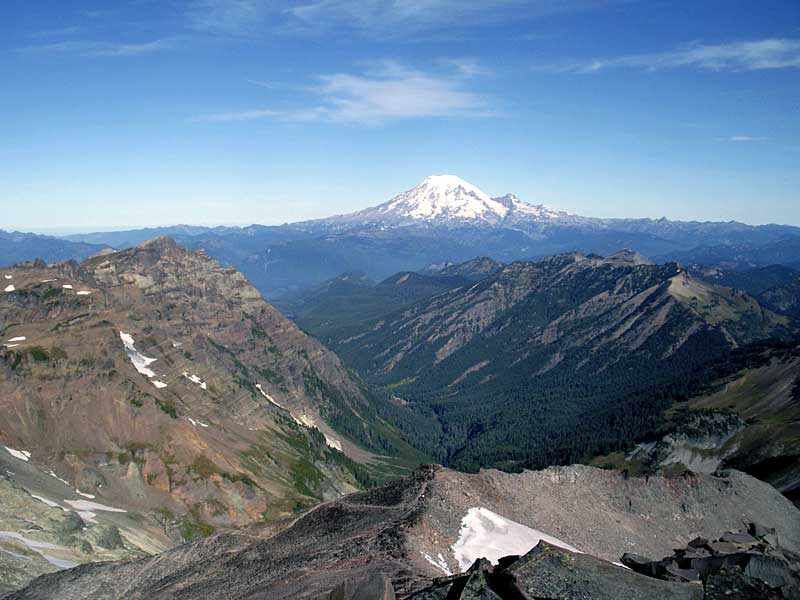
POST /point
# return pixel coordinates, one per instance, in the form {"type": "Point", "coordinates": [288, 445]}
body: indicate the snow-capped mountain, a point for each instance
{"type": "Point", "coordinates": [445, 198]}
{"type": "Point", "coordinates": [522, 210]}
{"type": "Point", "coordinates": [449, 200]}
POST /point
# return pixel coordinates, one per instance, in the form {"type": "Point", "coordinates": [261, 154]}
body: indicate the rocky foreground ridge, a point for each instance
{"type": "Point", "coordinates": [745, 565]}
{"type": "Point", "coordinates": [415, 535]}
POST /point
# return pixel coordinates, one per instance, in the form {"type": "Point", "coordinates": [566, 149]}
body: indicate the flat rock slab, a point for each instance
{"type": "Point", "coordinates": [551, 572]}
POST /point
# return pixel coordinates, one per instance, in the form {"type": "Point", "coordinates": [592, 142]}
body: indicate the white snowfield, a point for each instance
{"type": "Point", "coordinates": [8, 276]}
{"type": "Point", "coordinates": [86, 509]}
{"type": "Point", "coordinates": [267, 396]}
{"type": "Point", "coordinates": [440, 563]}
{"type": "Point", "coordinates": [47, 501]}
{"type": "Point", "coordinates": [19, 338]}
{"type": "Point", "coordinates": [304, 420]}
{"type": "Point", "coordinates": [20, 454]}
{"type": "Point", "coordinates": [53, 474]}
{"type": "Point", "coordinates": [84, 293]}
{"type": "Point", "coordinates": [67, 286]}
{"type": "Point", "coordinates": [196, 379]}
{"type": "Point", "coordinates": [10, 288]}
{"type": "Point", "coordinates": [440, 195]}
{"type": "Point", "coordinates": [196, 423]}
{"type": "Point", "coordinates": [140, 361]}
{"type": "Point", "coordinates": [39, 548]}
{"type": "Point", "coordinates": [485, 534]}
{"type": "Point", "coordinates": [87, 505]}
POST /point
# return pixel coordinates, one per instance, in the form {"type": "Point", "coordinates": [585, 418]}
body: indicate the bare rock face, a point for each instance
{"type": "Point", "coordinates": [157, 385]}
{"type": "Point", "coordinates": [402, 539]}
{"type": "Point", "coordinates": [735, 565]}
{"type": "Point", "coordinates": [551, 572]}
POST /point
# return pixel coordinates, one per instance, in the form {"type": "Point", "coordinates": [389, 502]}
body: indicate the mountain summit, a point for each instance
{"type": "Point", "coordinates": [449, 200]}
{"type": "Point", "coordinates": [445, 197]}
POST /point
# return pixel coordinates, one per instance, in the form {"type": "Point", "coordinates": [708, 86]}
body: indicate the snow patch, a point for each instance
{"type": "Point", "coordinates": [20, 454]}
{"type": "Point", "coordinates": [67, 286]}
{"type": "Point", "coordinates": [10, 345]}
{"type": "Point", "coordinates": [84, 293]}
{"type": "Point", "coordinates": [47, 501]}
{"type": "Point", "coordinates": [439, 563]}
{"type": "Point", "coordinates": [140, 361]}
{"type": "Point", "coordinates": [8, 276]}
{"type": "Point", "coordinates": [195, 379]}
{"type": "Point", "coordinates": [19, 338]}
{"type": "Point", "coordinates": [333, 442]}
{"type": "Point", "coordinates": [10, 288]}
{"type": "Point", "coordinates": [489, 535]}
{"type": "Point", "coordinates": [267, 396]}
{"type": "Point", "coordinates": [304, 420]}
{"type": "Point", "coordinates": [39, 548]}
{"type": "Point", "coordinates": [52, 474]}
{"type": "Point", "coordinates": [48, 280]}
{"type": "Point", "coordinates": [14, 554]}
{"type": "Point", "coordinates": [196, 423]}
{"type": "Point", "coordinates": [80, 493]}
{"type": "Point", "coordinates": [87, 516]}
{"type": "Point", "coordinates": [87, 505]}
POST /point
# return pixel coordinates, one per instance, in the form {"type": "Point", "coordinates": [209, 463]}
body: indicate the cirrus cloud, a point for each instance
{"type": "Point", "coordinates": [93, 48]}
{"type": "Point", "coordinates": [385, 91]}
{"type": "Point", "coordinates": [754, 55]}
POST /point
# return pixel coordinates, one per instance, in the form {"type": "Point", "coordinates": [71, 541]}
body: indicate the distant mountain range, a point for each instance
{"type": "Point", "coordinates": [344, 303]}
{"type": "Point", "coordinates": [18, 247]}
{"type": "Point", "coordinates": [443, 219]}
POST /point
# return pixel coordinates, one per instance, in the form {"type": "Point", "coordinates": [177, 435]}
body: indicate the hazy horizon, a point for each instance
{"type": "Point", "coordinates": [68, 230]}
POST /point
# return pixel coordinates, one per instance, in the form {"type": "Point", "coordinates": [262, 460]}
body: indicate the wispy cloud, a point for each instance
{"type": "Point", "coordinates": [91, 48]}
{"type": "Point", "coordinates": [232, 17]}
{"type": "Point", "coordinates": [383, 92]}
{"type": "Point", "coordinates": [384, 17]}
{"type": "Point", "coordinates": [745, 138]}
{"type": "Point", "coordinates": [294, 116]}
{"type": "Point", "coordinates": [466, 67]}
{"type": "Point", "coordinates": [59, 32]}
{"type": "Point", "coordinates": [775, 53]}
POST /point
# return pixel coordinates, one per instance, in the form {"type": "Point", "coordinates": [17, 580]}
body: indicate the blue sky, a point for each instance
{"type": "Point", "coordinates": [149, 112]}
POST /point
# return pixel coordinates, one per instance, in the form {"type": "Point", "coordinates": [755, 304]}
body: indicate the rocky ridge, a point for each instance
{"type": "Point", "coordinates": [157, 390]}
{"type": "Point", "coordinates": [398, 539]}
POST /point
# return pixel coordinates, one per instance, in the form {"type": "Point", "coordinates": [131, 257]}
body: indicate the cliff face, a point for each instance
{"type": "Point", "coordinates": [157, 382]}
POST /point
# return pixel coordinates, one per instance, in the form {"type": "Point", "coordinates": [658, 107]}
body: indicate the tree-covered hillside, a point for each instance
{"type": "Point", "coordinates": [550, 361]}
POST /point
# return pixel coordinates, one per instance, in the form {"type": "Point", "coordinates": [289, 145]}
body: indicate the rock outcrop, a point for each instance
{"type": "Point", "coordinates": [735, 565]}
